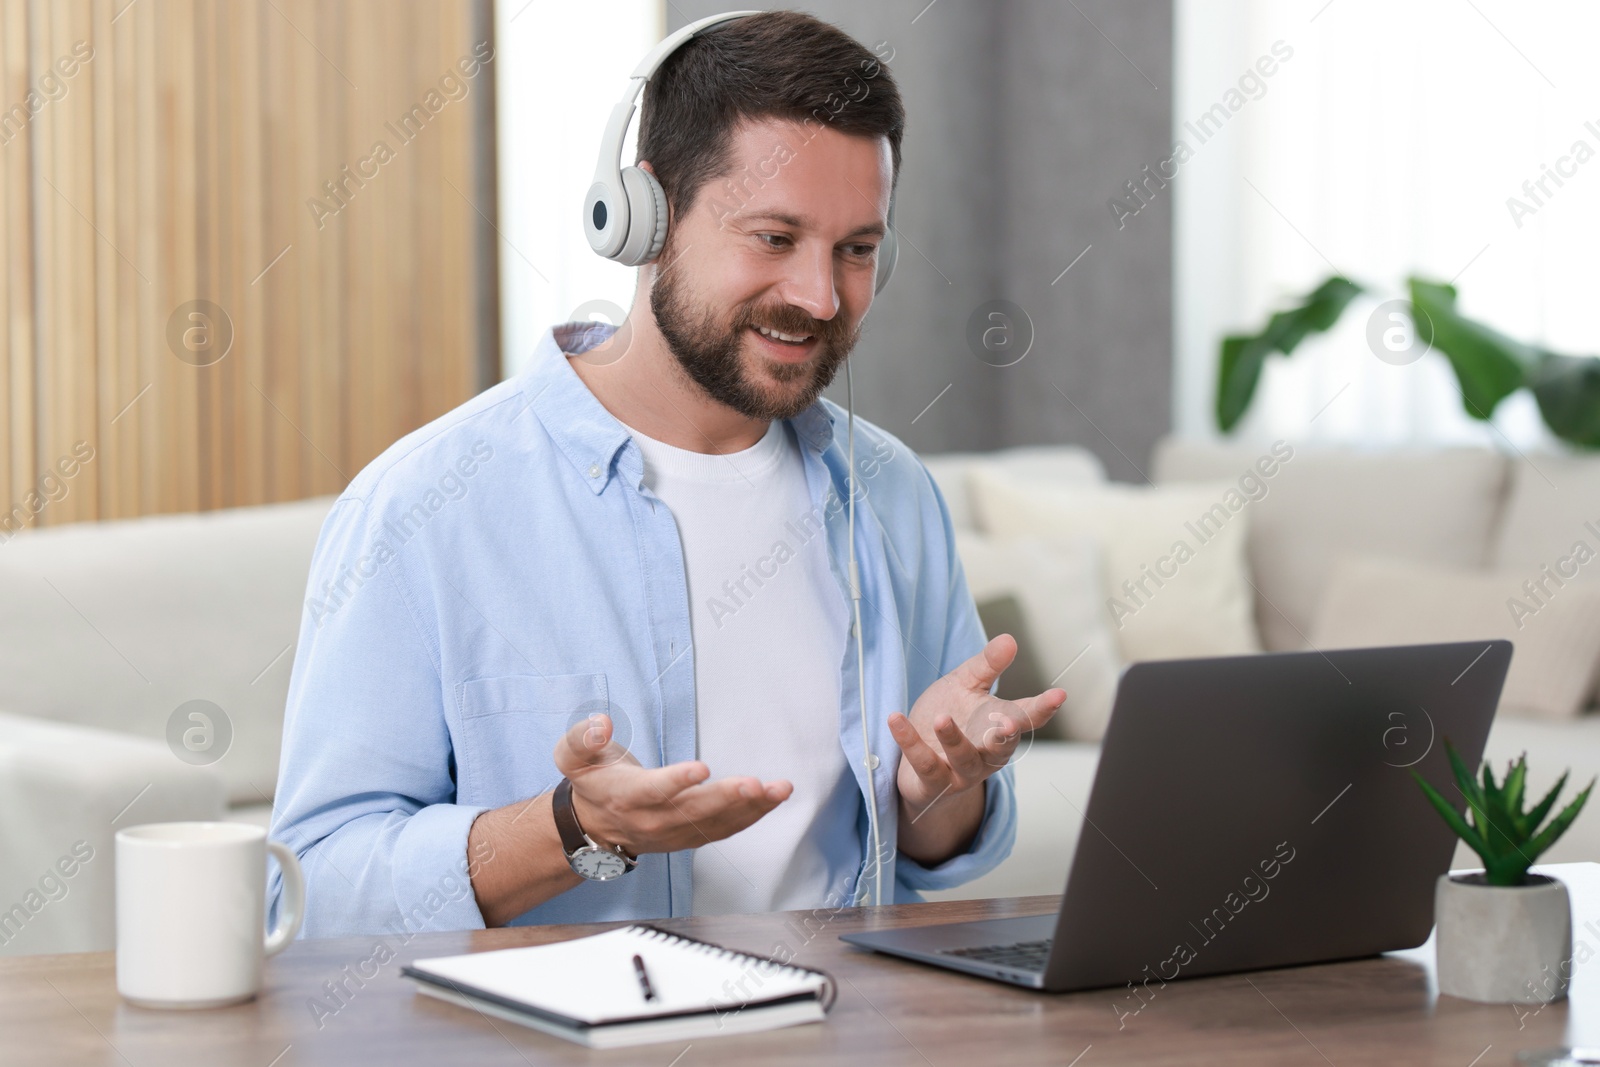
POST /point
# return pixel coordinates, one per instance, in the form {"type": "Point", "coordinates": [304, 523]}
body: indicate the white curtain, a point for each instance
{"type": "Point", "coordinates": [559, 68]}
{"type": "Point", "coordinates": [1388, 144]}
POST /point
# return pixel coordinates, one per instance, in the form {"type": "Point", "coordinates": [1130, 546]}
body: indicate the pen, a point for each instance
{"type": "Point", "coordinates": [644, 979]}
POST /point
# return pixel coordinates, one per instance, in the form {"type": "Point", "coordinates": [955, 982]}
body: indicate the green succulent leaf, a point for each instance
{"type": "Point", "coordinates": [1499, 818]}
{"type": "Point", "coordinates": [1503, 833]}
{"type": "Point", "coordinates": [1243, 355]}
{"type": "Point", "coordinates": [1515, 783]}
{"type": "Point", "coordinates": [1489, 365]}
{"type": "Point", "coordinates": [1558, 826]}
{"type": "Point", "coordinates": [1464, 780]}
{"type": "Point", "coordinates": [1541, 809]}
{"type": "Point", "coordinates": [1453, 819]}
{"type": "Point", "coordinates": [1508, 870]}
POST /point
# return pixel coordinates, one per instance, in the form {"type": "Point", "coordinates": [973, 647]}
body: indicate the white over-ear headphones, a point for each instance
{"type": "Point", "coordinates": [625, 213]}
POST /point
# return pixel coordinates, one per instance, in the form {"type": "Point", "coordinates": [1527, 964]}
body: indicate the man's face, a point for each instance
{"type": "Point", "coordinates": [763, 284]}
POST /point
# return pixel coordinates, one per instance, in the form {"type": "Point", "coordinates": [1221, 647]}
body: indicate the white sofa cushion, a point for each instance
{"type": "Point", "coordinates": [1173, 589]}
{"type": "Point", "coordinates": [117, 624]}
{"type": "Point", "coordinates": [1436, 506]}
{"type": "Point", "coordinates": [1058, 588]}
{"type": "Point", "coordinates": [65, 791]}
{"type": "Point", "coordinates": [1052, 464]}
{"type": "Point", "coordinates": [1552, 518]}
{"type": "Point", "coordinates": [1394, 602]}
{"type": "Point", "coordinates": [1552, 504]}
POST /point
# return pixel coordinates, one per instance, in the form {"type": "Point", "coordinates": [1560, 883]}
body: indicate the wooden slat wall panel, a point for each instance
{"type": "Point", "coordinates": [69, 252]}
{"type": "Point", "coordinates": [17, 327]}
{"type": "Point", "coordinates": [285, 167]}
{"type": "Point", "coordinates": [179, 165]}
{"type": "Point", "coordinates": [119, 449]}
{"type": "Point", "coordinates": [252, 248]}
{"type": "Point", "coordinates": [323, 400]}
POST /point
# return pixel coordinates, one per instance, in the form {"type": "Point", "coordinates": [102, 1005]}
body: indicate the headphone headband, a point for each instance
{"type": "Point", "coordinates": [673, 41]}
{"type": "Point", "coordinates": [607, 220]}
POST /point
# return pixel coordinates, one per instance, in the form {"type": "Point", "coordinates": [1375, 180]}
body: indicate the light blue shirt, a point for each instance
{"type": "Point", "coordinates": [503, 572]}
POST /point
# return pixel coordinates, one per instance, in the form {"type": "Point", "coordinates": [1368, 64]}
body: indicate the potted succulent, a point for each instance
{"type": "Point", "coordinates": [1503, 936]}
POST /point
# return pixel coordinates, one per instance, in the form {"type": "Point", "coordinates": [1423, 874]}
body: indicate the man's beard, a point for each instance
{"type": "Point", "coordinates": [713, 356]}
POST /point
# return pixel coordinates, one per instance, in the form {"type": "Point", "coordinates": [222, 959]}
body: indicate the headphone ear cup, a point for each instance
{"type": "Point", "coordinates": [605, 219]}
{"type": "Point", "coordinates": [888, 253]}
{"type": "Point", "coordinates": [647, 218]}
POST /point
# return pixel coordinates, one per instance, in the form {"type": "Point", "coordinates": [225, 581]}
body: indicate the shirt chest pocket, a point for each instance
{"type": "Point", "coordinates": [509, 728]}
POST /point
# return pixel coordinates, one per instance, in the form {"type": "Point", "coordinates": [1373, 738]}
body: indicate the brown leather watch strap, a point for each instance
{"type": "Point", "coordinates": [572, 836]}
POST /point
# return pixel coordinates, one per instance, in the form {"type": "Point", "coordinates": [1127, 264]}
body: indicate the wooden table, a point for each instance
{"type": "Point", "coordinates": [65, 1009]}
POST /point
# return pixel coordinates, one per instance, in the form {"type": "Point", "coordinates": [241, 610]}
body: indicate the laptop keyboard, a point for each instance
{"type": "Point", "coordinates": [1020, 955]}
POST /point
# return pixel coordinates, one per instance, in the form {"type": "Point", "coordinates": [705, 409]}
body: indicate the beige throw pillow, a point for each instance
{"type": "Point", "coordinates": [1059, 464]}
{"type": "Point", "coordinates": [1377, 601]}
{"type": "Point", "coordinates": [1431, 506]}
{"type": "Point", "coordinates": [1553, 507]}
{"type": "Point", "coordinates": [1174, 578]}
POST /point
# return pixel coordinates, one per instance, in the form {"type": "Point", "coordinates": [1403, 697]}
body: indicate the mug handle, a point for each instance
{"type": "Point", "coordinates": [294, 899]}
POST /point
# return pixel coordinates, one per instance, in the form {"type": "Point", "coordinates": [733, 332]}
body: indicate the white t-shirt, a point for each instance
{"type": "Point", "coordinates": [769, 629]}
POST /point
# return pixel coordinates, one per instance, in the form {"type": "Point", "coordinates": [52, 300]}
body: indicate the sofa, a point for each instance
{"type": "Point", "coordinates": [144, 664]}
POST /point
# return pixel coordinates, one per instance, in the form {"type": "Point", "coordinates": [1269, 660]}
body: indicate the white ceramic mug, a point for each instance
{"type": "Point", "coordinates": [191, 912]}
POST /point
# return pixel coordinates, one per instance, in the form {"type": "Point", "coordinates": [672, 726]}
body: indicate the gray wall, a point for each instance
{"type": "Point", "coordinates": [1024, 120]}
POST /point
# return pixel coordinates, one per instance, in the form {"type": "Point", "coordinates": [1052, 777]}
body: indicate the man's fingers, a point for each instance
{"type": "Point", "coordinates": [1036, 711]}
{"type": "Point", "coordinates": [1003, 730]}
{"type": "Point", "coordinates": [715, 810]}
{"type": "Point", "coordinates": [710, 801]}
{"type": "Point", "coordinates": [959, 752]}
{"type": "Point", "coordinates": [923, 759]}
{"type": "Point", "coordinates": [981, 670]}
{"type": "Point", "coordinates": [729, 820]}
{"type": "Point", "coordinates": [587, 744]}
{"type": "Point", "coordinates": [648, 787]}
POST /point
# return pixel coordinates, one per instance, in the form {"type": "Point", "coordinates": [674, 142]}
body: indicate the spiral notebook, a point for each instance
{"type": "Point", "coordinates": [587, 990]}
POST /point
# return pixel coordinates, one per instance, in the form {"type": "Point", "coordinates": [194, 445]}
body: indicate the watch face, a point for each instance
{"type": "Point", "coordinates": [597, 864]}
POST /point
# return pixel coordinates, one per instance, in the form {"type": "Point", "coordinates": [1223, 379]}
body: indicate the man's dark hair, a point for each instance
{"type": "Point", "coordinates": [778, 64]}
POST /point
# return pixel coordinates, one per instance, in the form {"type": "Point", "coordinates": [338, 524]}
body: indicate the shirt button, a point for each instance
{"type": "Point", "coordinates": [872, 760]}
{"type": "Point", "coordinates": [594, 470]}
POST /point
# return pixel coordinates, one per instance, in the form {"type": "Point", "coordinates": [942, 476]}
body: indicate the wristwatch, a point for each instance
{"type": "Point", "coordinates": [596, 862]}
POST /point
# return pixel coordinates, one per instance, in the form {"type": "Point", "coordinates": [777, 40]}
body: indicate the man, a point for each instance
{"type": "Point", "coordinates": [539, 626]}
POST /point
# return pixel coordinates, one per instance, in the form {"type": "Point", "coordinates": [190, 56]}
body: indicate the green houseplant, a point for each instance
{"type": "Point", "coordinates": [1504, 936]}
{"type": "Point", "coordinates": [1508, 838]}
{"type": "Point", "coordinates": [1489, 366]}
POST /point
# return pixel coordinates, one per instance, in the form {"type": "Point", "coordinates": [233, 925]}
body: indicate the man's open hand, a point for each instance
{"type": "Point", "coordinates": [618, 802]}
{"type": "Point", "coordinates": [958, 734]}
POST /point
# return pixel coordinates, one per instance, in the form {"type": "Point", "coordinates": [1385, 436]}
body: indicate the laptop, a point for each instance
{"type": "Point", "coordinates": [1248, 812]}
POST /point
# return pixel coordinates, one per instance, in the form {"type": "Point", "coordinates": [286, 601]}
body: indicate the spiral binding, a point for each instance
{"type": "Point", "coordinates": [788, 970]}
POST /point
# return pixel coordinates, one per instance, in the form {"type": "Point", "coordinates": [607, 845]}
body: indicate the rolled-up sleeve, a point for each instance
{"type": "Point", "coordinates": [964, 638]}
{"type": "Point", "coordinates": [996, 834]}
{"type": "Point", "coordinates": [367, 789]}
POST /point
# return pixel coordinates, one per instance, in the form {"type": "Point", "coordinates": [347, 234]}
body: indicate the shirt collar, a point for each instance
{"type": "Point", "coordinates": [814, 425]}
{"type": "Point", "coordinates": [585, 432]}
{"type": "Point", "coordinates": [589, 435]}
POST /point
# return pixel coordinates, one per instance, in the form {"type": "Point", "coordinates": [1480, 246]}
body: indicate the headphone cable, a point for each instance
{"type": "Point", "coordinates": [861, 659]}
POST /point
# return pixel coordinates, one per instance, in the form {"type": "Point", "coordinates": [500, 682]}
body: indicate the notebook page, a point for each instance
{"type": "Point", "coordinates": [592, 978]}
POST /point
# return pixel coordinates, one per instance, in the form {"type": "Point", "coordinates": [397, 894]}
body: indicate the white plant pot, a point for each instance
{"type": "Point", "coordinates": [1503, 944]}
